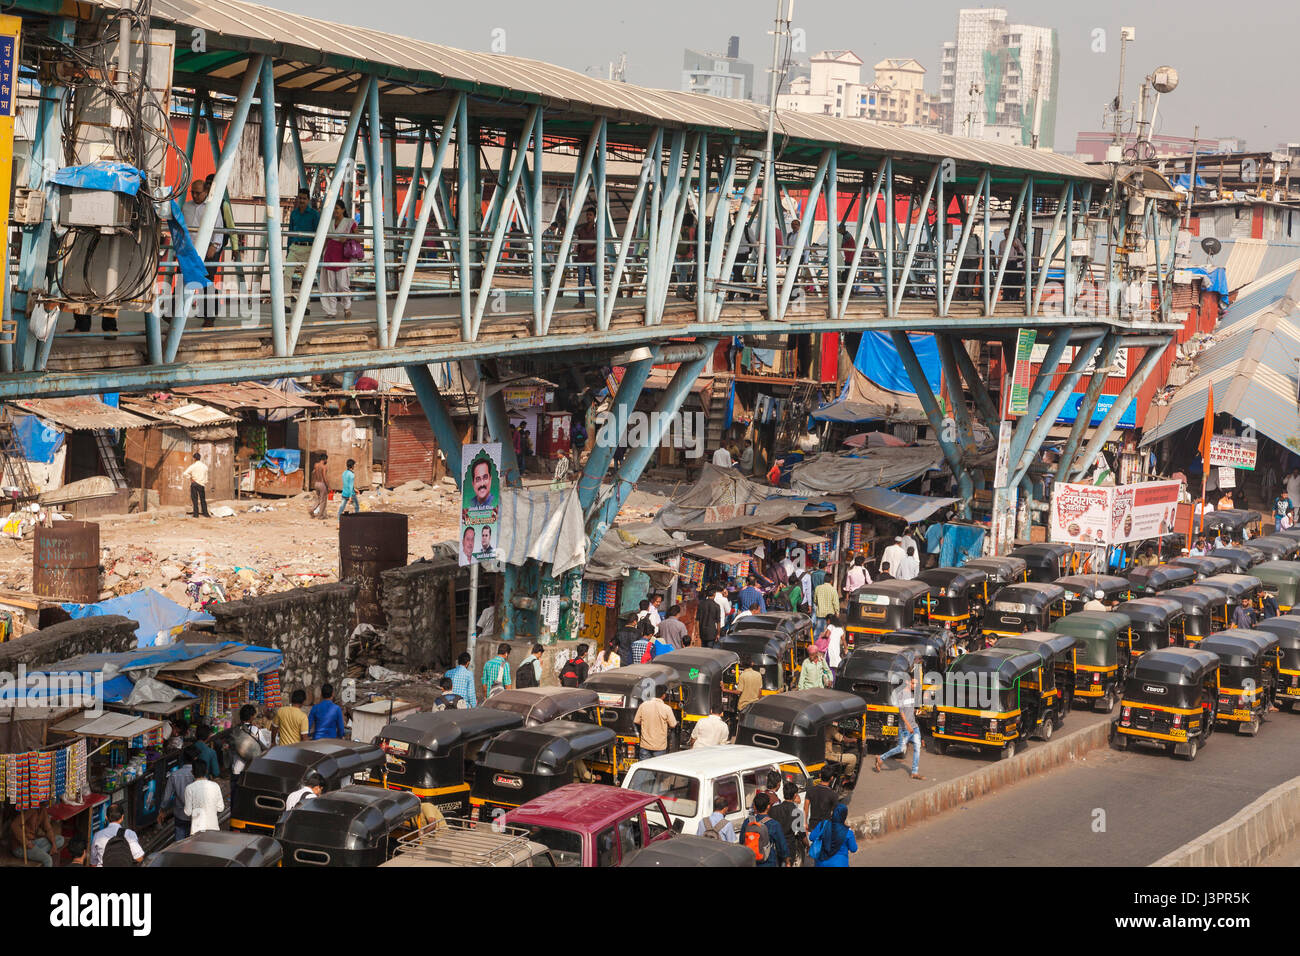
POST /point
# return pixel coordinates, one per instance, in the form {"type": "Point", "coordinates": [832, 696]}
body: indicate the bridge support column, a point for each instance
{"type": "Point", "coordinates": [1087, 405]}
{"type": "Point", "coordinates": [951, 452]}
{"type": "Point", "coordinates": [439, 416]}
{"type": "Point", "coordinates": [612, 433]}
{"type": "Point", "coordinates": [1149, 362]}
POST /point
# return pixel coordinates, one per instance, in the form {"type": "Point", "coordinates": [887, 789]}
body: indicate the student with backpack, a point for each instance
{"type": "Point", "coordinates": [529, 673]}
{"type": "Point", "coordinates": [574, 671]}
{"type": "Point", "coordinates": [655, 648]}
{"type": "Point", "coordinates": [115, 845]}
{"type": "Point", "coordinates": [789, 813]}
{"type": "Point", "coordinates": [763, 835]}
{"type": "Point", "coordinates": [716, 826]}
{"type": "Point", "coordinates": [449, 699]}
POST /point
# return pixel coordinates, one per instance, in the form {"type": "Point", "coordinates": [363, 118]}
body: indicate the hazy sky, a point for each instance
{"type": "Point", "coordinates": [1237, 61]}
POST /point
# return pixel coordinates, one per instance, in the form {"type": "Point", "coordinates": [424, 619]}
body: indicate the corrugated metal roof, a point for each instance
{"type": "Point", "coordinates": [305, 41]}
{"type": "Point", "coordinates": [183, 414]}
{"type": "Point", "coordinates": [80, 413]}
{"type": "Point", "coordinates": [1244, 261]}
{"type": "Point", "coordinates": [250, 395]}
{"type": "Point", "coordinates": [1251, 368]}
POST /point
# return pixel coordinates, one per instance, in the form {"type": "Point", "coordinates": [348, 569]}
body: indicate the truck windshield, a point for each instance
{"type": "Point", "coordinates": [680, 793]}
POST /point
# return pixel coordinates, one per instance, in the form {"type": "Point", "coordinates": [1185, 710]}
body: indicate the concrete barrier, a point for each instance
{"type": "Point", "coordinates": [1256, 832]}
{"type": "Point", "coordinates": [932, 801]}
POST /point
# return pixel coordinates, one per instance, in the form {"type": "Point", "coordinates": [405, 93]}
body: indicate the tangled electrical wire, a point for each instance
{"type": "Point", "coordinates": [142, 141]}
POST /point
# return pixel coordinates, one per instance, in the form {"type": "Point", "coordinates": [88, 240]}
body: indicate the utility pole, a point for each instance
{"type": "Point", "coordinates": [1114, 155]}
{"type": "Point", "coordinates": [1191, 182]}
{"type": "Point", "coordinates": [781, 28]}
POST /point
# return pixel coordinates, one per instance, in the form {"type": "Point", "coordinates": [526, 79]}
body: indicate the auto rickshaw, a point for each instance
{"type": "Point", "coordinates": [709, 678]}
{"type": "Point", "coordinates": [1204, 564]}
{"type": "Point", "coordinates": [1287, 629]}
{"type": "Point", "coordinates": [956, 596]}
{"type": "Point", "coordinates": [269, 779]}
{"type": "Point", "coordinates": [981, 701]}
{"type": "Point", "coordinates": [1292, 533]}
{"type": "Point", "coordinates": [537, 705]}
{"type": "Point", "coordinates": [1242, 557]}
{"type": "Point", "coordinates": [1001, 571]}
{"type": "Point", "coordinates": [803, 724]}
{"type": "Point", "coordinates": [770, 653]}
{"type": "Point", "coordinates": [1283, 545]}
{"type": "Point", "coordinates": [1154, 623]}
{"type": "Point", "coordinates": [794, 625]}
{"type": "Point", "coordinates": [433, 754]}
{"type": "Point", "coordinates": [937, 653]}
{"type": "Point", "coordinates": [1247, 676]}
{"type": "Point", "coordinates": [220, 848]}
{"type": "Point", "coordinates": [1054, 684]}
{"type": "Point", "coordinates": [1150, 580]}
{"type": "Point", "coordinates": [1099, 668]}
{"type": "Point", "coordinates": [1205, 610]}
{"type": "Point", "coordinates": [1082, 588]}
{"type": "Point", "coordinates": [1019, 608]}
{"type": "Point", "coordinates": [521, 764]}
{"type": "Point", "coordinates": [1236, 587]}
{"type": "Point", "coordinates": [1046, 562]}
{"type": "Point", "coordinates": [620, 692]}
{"type": "Point", "coordinates": [353, 826]}
{"type": "Point", "coordinates": [875, 672]}
{"type": "Point", "coordinates": [1169, 701]}
{"type": "Point", "coordinates": [1233, 524]}
{"type": "Point", "coordinates": [688, 850]}
{"type": "Point", "coordinates": [1281, 579]}
{"type": "Point", "coordinates": [876, 609]}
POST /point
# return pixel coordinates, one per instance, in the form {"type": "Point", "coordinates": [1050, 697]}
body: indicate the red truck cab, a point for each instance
{"type": "Point", "coordinates": [591, 824]}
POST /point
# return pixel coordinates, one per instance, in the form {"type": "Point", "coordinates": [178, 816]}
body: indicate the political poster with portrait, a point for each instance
{"type": "Point", "coordinates": [480, 510]}
{"type": "Point", "coordinates": [1081, 514]}
{"type": "Point", "coordinates": [1144, 511]}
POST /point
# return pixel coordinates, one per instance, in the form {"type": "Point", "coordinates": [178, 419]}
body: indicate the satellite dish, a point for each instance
{"type": "Point", "coordinates": [1211, 245]}
{"type": "Point", "coordinates": [1164, 79]}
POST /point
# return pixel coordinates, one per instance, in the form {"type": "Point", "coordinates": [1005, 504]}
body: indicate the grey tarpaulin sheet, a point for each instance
{"type": "Point", "coordinates": [723, 498]}
{"type": "Point", "coordinates": [543, 525]}
{"type": "Point", "coordinates": [870, 468]}
{"type": "Point", "coordinates": [896, 504]}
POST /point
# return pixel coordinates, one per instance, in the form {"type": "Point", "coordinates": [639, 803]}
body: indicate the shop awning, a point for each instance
{"type": "Point", "coordinates": [80, 413]}
{"type": "Point", "coordinates": [894, 504]}
{"type": "Point", "coordinates": [707, 552]}
{"type": "Point", "coordinates": [245, 395]}
{"type": "Point", "coordinates": [107, 726]}
{"type": "Point", "coordinates": [781, 532]}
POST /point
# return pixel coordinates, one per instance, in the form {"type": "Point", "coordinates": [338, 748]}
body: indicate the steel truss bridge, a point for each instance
{"type": "Point", "coordinates": [467, 268]}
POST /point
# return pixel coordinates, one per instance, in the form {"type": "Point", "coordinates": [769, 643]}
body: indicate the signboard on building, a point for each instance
{"type": "Point", "coordinates": [480, 511]}
{"type": "Point", "coordinates": [1020, 378]}
{"type": "Point", "coordinates": [1098, 515]}
{"type": "Point", "coordinates": [1232, 452]}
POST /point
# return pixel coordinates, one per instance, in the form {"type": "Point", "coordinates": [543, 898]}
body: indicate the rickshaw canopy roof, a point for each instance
{"type": "Point", "coordinates": [755, 643]}
{"type": "Point", "coordinates": [1175, 665]}
{"type": "Point", "coordinates": [1280, 542]}
{"type": "Point", "coordinates": [352, 817]}
{"type": "Point", "coordinates": [1278, 572]}
{"type": "Point", "coordinates": [1152, 610]}
{"type": "Point", "coordinates": [686, 850]}
{"type": "Point", "coordinates": [542, 704]}
{"type": "Point", "coordinates": [545, 748]}
{"type": "Point", "coordinates": [632, 676]}
{"type": "Point", "coordinates": [1233, 519]}
{"type": "Point", "coordinates": [1233, 585]}
{"type": "Point", "coordinates": [1043, 550]}
{"type": "Point", "coordinates": [1089, 583]}
{"type": "Point", "coordinates": [1005, 664]}
{"type": "Point", "coordinates": [331, 758]}
{"type": "Point", "coordinates": [1292, 533]}
{"type": "Point", "coordinates": [1193, 597]}
{"type": "Point", "coordinates": [930, 638]}
{"type": "Point", "coordinates": [1031, 593]}
{"type": "Point", "coordinates": [1244, 557]}
{"type": "Point", "coordinates": [955, 578]}
{"type": "Point", "coordinates": [802, 712]}
{"type": "Point", "coordinates": [881, 659]}
{"type": "Point", "coordinates": [441, 730]}
{"type": "Point", "coordinates": [1204, 564]}
{"type": "Point", "coordinates": [1084, 624]}
{"type": "Point", "coordinates": [1271, 550]}
{"type": "Point", "coordinates": [1046, 644]}
{"type": "Point", "coordinates": [1240, 642]}
{"type": "Point", "coordinates": [221, 848]}
{"type": "Point", "coordinates": [897, 592]}
{"type": "Point", "coordinates": [999, 568]}
{"type": "Point", "coordinates": [699, 665]}
{"type": "Point", "coordinates": [1160, 576]}
{"type": "Point", "coordinates": [1285, 626]}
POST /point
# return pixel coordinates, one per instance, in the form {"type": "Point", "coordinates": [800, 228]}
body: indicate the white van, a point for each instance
{"type": "Point", "coordinates": [688, 780]}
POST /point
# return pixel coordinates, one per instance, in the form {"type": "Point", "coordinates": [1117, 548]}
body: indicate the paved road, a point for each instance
{"type": "Point", "coordinates": [1152, 805]}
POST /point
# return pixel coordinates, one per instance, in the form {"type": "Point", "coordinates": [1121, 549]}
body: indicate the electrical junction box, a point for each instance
{"type": "Point", "coordinates": [29, 206]}
{"type": "Point", "coordinates": [95, 209]}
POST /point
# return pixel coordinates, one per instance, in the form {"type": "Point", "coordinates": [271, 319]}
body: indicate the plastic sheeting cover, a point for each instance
{"type": "Point", "coordinates": [117, 177]}
{"type": "Point", "coordinates": [40, 442]}
{"type": "Point", "coordinates": [878, 360]}
{"type": "Point", "coordinates": [153, 612]}
{"type": "Point", "coordinates": [869, 468]}
{"type": "Point", "coordinates": [544, 525]}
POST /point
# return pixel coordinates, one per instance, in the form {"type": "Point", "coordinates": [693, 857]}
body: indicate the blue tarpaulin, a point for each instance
{"type": "Point", "coordinates": [285, 460]}
{"type": "Point", "coordinates": [1216, 280]}
{"type": "Point", "coordinates": [1183, 179]}
{"type": "Point", "coordinates": [955, 543]}
{"type": "Point", "coordinates": [40, 442]}
{"type": "Point", "coordinates": [152, 611]}
{"type": "Point", "coordinates": [192, 268]}
{"type": "Point", "coordinates": [878, 360]}
{"type": "Point", "coordinates": [118, 177]}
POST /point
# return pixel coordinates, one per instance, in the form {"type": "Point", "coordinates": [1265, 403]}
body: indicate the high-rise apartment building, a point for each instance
{"type": "Point", "coordinates": [895, 97]}
{"type": "Point", "coordinates": [718, 74]}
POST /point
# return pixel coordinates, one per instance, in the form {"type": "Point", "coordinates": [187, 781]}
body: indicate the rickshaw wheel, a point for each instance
{"type": "Point", "coordinates": [1250, 729]}
{"type": "Point", "coordinates": [1107, 704]}
{"type": "Point", "coordinates": [1120, 742]}
{"type": "Point", "coordinates": [1045, 733]}
{"type": "Point", "coordinates": [1005, 751]}
{"type": "Point", "coordinates": [941, 747]}
{"type": "Point", "coordinates": [1193, 747]}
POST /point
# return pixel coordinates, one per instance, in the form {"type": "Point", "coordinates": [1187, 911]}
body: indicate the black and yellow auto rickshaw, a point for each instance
{"type": "Point", "coordinates": [355, 826]}
{"type": "Point", "coordinates": [1169, 701]}
{"type": "Point", "coordinates": [1247, 676]}
{"type": "Point", "coordinates": [1292, 533]}
{"type": "Point", "coordinates": [221, 848]}
{"type": "Point", "coordinates": [805, 724]}
{"type": "Point", "coordinates": [1242, 557]}
{"type": "Point", "coordinates": [1020, 608]}
{"type": "Point", "coordinates": [268, 780]}
{"type": "Point", "coordinates": [521, 764]}
{"type": "Point", "coordinates": [1232, 524]}
{"type": "Point", "coordinates": [1154, 623]}
{"type": "Point", "coordinates": [1205, 564]}
{"type": "Point", "coordinates": [1237, 587]}
{"type": "Point", "coordinates": [1205, 610]}
{"type": "Point", "coordinates": [709, 678]}
{"type": "Point", "coordinates": [875, 672]}
{"type": "Point", "coordinates": [537, 705]}
{"type": "Point", "coordinates": [433, 754]}
{"type": "Point", "coordinates": [1286, 627]}
{"type": "Point", "coordinates": [876, 609]}
{"type": "Point", "coordinates": [937, 653]}
{"type": "Point", "coordinates": [1280, 547]}
{"type": "Point", "coordinates": [620, 692]}
{"type": "Point", "coordinates": [794, 625]}
{"type": "Point", "coordinates": [956, 597]}
{"type": "Point", "coordinates": [1150, 580]}
{"type": "Point", "coordinates": [1053, 685]}
{"type": "Point", "coordinates": [1099, 667]}
{"type": "Point", "coordinates": [1082, 588]}
{"type": "Point", "coordinates": [1046, 562]}
{"type": "Point", "coordinates": [1001, 570]}
{"type": "Point", "coordinates": [1280, 580]}
{"type": "Point", "coordinates": [980, 703]}
{"type": "Point", "coordinates": [771, 654]}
